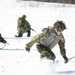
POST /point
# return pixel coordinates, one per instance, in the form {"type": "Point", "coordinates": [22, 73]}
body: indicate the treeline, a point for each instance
{"type": "Point", "coordinates": [55, 1]}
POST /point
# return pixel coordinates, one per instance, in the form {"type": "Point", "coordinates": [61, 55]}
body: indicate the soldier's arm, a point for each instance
{"type": "Point", "coordinates": [19, 21]}
{"type": "Point", "coordinates": [62, 46]}
{"type": "Point", "coordinates": [36, 39]}
{"type": "Point", "coordinates": [27, 23]}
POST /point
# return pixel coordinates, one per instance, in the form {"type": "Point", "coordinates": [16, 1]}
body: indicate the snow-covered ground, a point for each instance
{"type": "Point", "coordinates": [40, 15]}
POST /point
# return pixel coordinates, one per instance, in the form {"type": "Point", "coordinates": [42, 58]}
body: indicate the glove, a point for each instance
{"type": "Point", "coordinates": [65, 58]}
{"type": "Point", "coordinates": [27, 49]}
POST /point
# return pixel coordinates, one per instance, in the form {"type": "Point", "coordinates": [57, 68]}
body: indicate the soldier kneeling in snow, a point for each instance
{"type": "Point", "coordinates": [47, 39]}
{"type": "Point", "coordinates": [23, 26]}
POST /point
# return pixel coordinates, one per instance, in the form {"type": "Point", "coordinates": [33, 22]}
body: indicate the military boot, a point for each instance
{"type": "Point", "coordinates": [19, 35]}
{"type": "Point", "coordinates": [66, 59]}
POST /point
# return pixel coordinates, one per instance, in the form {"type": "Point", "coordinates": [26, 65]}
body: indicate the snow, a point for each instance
{"type": "Point", "coordinates": [40, 15]}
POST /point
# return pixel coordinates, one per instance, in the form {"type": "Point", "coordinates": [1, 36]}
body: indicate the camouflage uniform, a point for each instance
{"type": "Point", "coordinates": [23, 27]}
{"type": "Point", "coordinates": [47, 40]}
{"type": "Point", "coordinates": [2, 40]}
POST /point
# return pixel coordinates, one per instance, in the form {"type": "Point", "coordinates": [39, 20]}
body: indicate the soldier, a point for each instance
{"type": "Point", "coordinates": [47, 39]}
{"type": "Point", "coordinates": [2, 40]}
{"type": "Point", "coordinates": [23, 26]}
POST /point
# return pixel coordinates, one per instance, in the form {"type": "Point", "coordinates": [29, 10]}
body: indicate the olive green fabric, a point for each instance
{"type": "Point", "coordinates": [26, 22]}
{"type": "Point", "coordinates": [51, 40]}
{"type": "Point", "coordinates": [62, 47]}
{"type": "Point", "coordinates": [45, 51]}
{"type": "Point", "coordinates": [37, 38]}
{"type": "Point", "coordinates": [23, 27]}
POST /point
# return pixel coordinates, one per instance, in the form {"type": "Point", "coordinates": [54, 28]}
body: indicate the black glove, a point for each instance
{"type": "Point", "coordinates": [66, 59]}
{"type": "Point", "coordinates": [27, 49]}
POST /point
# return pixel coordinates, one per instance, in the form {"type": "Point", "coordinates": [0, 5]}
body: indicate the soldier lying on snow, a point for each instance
{"type": "Point", "coordinates": [2, 40]}
{"type": "Point", "coordinates": [47, 39]}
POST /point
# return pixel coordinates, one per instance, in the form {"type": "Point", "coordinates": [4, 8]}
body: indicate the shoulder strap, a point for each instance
{"type": "Point", "coordinates": [50, 28]}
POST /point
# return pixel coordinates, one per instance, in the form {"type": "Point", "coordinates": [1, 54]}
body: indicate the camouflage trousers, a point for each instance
{"type": "Point", "coordinates": [21, 31]}
{"type": "Point", "coordinates": [45, 52]}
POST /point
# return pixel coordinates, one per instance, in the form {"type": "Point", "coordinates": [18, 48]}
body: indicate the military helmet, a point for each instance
{"type": "Point", "coordinates": [24, 16]}
{"type": "Point", "coordinates": [59, 24]}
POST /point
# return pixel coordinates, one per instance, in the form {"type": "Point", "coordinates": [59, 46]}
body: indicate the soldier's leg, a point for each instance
{"type": "Point", "coordinates": [20, 32]}
{"type": "Point", "coordinates": [45, 52]}
{"type": "Point", "coordinates": [28, 33]}
{"type": "Point", "coordinates": [52, 55]}
{"type": "Point", "coordinates": [19, 35]}
{"type": "Point", "coordinates": [40, 49]}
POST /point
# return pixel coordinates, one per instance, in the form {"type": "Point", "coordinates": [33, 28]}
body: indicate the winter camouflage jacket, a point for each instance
{"type": "Point", "coordinates": [23, 24]}
{"type": "Point", "coordinates": [48, 38]}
